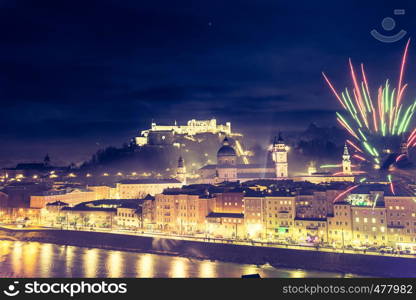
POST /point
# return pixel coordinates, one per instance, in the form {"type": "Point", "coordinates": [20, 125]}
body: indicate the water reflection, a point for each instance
{"type": "Point", "coordinates": [91, 263]}
{"type": "Point", "coordinates": [145, 266]}
{"type": "Point", "coordinates": [115, 264]}
{"type": "Point", "coordinates": [17, 257]}
{"type": "Point", "coordinates": [298, 274]}
{"type": "Point", "coordinates": [178, 268]}
{"type": "Point", "coordinates": [46, 253]}
{"type": "Point", "coordinates": [32, 259]}
{"type": "Point", "coordinates": [207, 269]}
{"type": "Point", "coordinates": [69, 256]}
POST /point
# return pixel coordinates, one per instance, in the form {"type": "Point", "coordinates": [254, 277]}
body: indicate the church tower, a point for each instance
{"type": "Point", "coordinates": [346, 162]}
{"type": "Point", "coordinates": [279, 155]}
{"type": "Point", "coordinates": [181, 171]}
{"type": "Point", "coordinates": [47, 161]}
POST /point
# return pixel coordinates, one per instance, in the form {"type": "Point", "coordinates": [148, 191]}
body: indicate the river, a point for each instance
{"type": "Point", "coordinates": [34, 259]}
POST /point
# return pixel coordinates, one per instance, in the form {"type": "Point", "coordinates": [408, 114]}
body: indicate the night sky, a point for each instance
{"type": "Point", "coordinates": [76, 76]}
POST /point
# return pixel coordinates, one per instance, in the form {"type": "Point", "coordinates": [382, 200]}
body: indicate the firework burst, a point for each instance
{"type": "Point", "coordinates": [373, 120]}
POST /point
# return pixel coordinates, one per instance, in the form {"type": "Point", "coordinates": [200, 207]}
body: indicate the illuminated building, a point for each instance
{"type": "Point", "coordinates": [373, 216]}
{"type": "Point", "coordinates": [340, 225]}
{"type": "Point", "coordinates": [315, 204]}
{"type": "Point", "coordinates": [347, 175]}
{"type": "Point", "coordinates": [229, 202]}
{"type": "Point", "coordinates": [95, 214]}
{"type": "Point", "coordinates": [279, 154]}
{"type": "Point", "coordinates": [225, 225]}
{"type": "Point", "coordinates": [227, 219]}
{"type": "Point", "coordinates": [324, 177]}
{"type": "Point", "coordinates": [401, 220]}
{"type": "Point", "coordinates": [89, 217]}
{"type": "Point", "coordinates": [51, 214]}
{"type": "Point", "coordinates": [140, 188]}
{"type": "Point", "coordinates": [346, 162]}
{"type": "Point", "coordinates": [20, 216]}
{"type": "Point", "coordinates": [369, 225]}
{"type": "Point", "coordinates": [228, 169]}
{"type": "Point", "coordinates": [310, 230]}
{"type": "Point", "coordinates": [129, 216]}
{"type": "Point", "coordinates": [104, 191]}
{"type": "Point", "coordinates": [149, 212]}
{"type": "Point", "coordinates": [279, 216]}
{"type": "Point", "coordinates": [226, 163]}
{"type": "Point", "coordinates": [70, 196]}
{"type": "Point", "coordinates": [254, 215]}
{"type": "Point", "coordinates": [269, 214]}
{"type": "Point", "coordinates": [193, 127]}
{"type": "Point", "coordinates": [181, 211]}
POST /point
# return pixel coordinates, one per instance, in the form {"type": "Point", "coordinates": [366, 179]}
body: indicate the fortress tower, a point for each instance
{"type": "Point", "coordinates": [346, 162]}
{"type": "Point", "coordinates": [279, 155]}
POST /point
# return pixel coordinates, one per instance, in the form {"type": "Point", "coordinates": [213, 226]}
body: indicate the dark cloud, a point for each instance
{"type": "Point", "coordinates": [77, 75]}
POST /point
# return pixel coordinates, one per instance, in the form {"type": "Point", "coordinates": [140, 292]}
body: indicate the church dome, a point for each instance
{"type": "Point", "coordinates": [226, 149]}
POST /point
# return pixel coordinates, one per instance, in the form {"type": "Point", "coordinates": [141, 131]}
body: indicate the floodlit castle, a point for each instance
{"type": "Point", "coordinates": [228, 168]}
{"type": "Point", "coordinates": [193, 127]}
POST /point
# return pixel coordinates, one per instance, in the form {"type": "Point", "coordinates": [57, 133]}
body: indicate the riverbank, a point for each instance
{"type": "Point", "coordinates": [374, 265]}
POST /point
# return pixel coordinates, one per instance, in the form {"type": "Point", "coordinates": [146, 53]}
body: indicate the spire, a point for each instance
{"type": "Point", "coordinates": [46, 160]}
{"type": "Point", "coordinates": [280, 139]}
{"type": "Point", "coordinates": [346, 162]}
{"type": "Point", "coordinates": [346, 150]}
{"type": "Point", "coordinates": [226, 142]}
{"type": "Point", "coordinates": [180, 162]}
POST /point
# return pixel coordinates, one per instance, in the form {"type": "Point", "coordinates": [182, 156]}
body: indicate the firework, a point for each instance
{"type": "Point", "coordinates": [330, 166]}
{"type": "Point", "coordinates": [398, 158]}
{"type": "Point", "coordinates": [391, 184]}
{"type": "Point", "coordinates": [345, 192]}
{"type": "Point", "coordinates": [370, 117]}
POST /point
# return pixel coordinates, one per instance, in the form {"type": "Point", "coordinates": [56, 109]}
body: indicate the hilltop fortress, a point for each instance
{"type": "Point", "coordinates": [164, 134]}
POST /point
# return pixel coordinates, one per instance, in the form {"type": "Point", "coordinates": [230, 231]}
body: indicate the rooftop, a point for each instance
{"type": "Point", "coordinates": [310, 219]}
{"type": "Point", "coordinates": [149, 181]}
{"type": "Point", "coordinates": [225, 215]}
